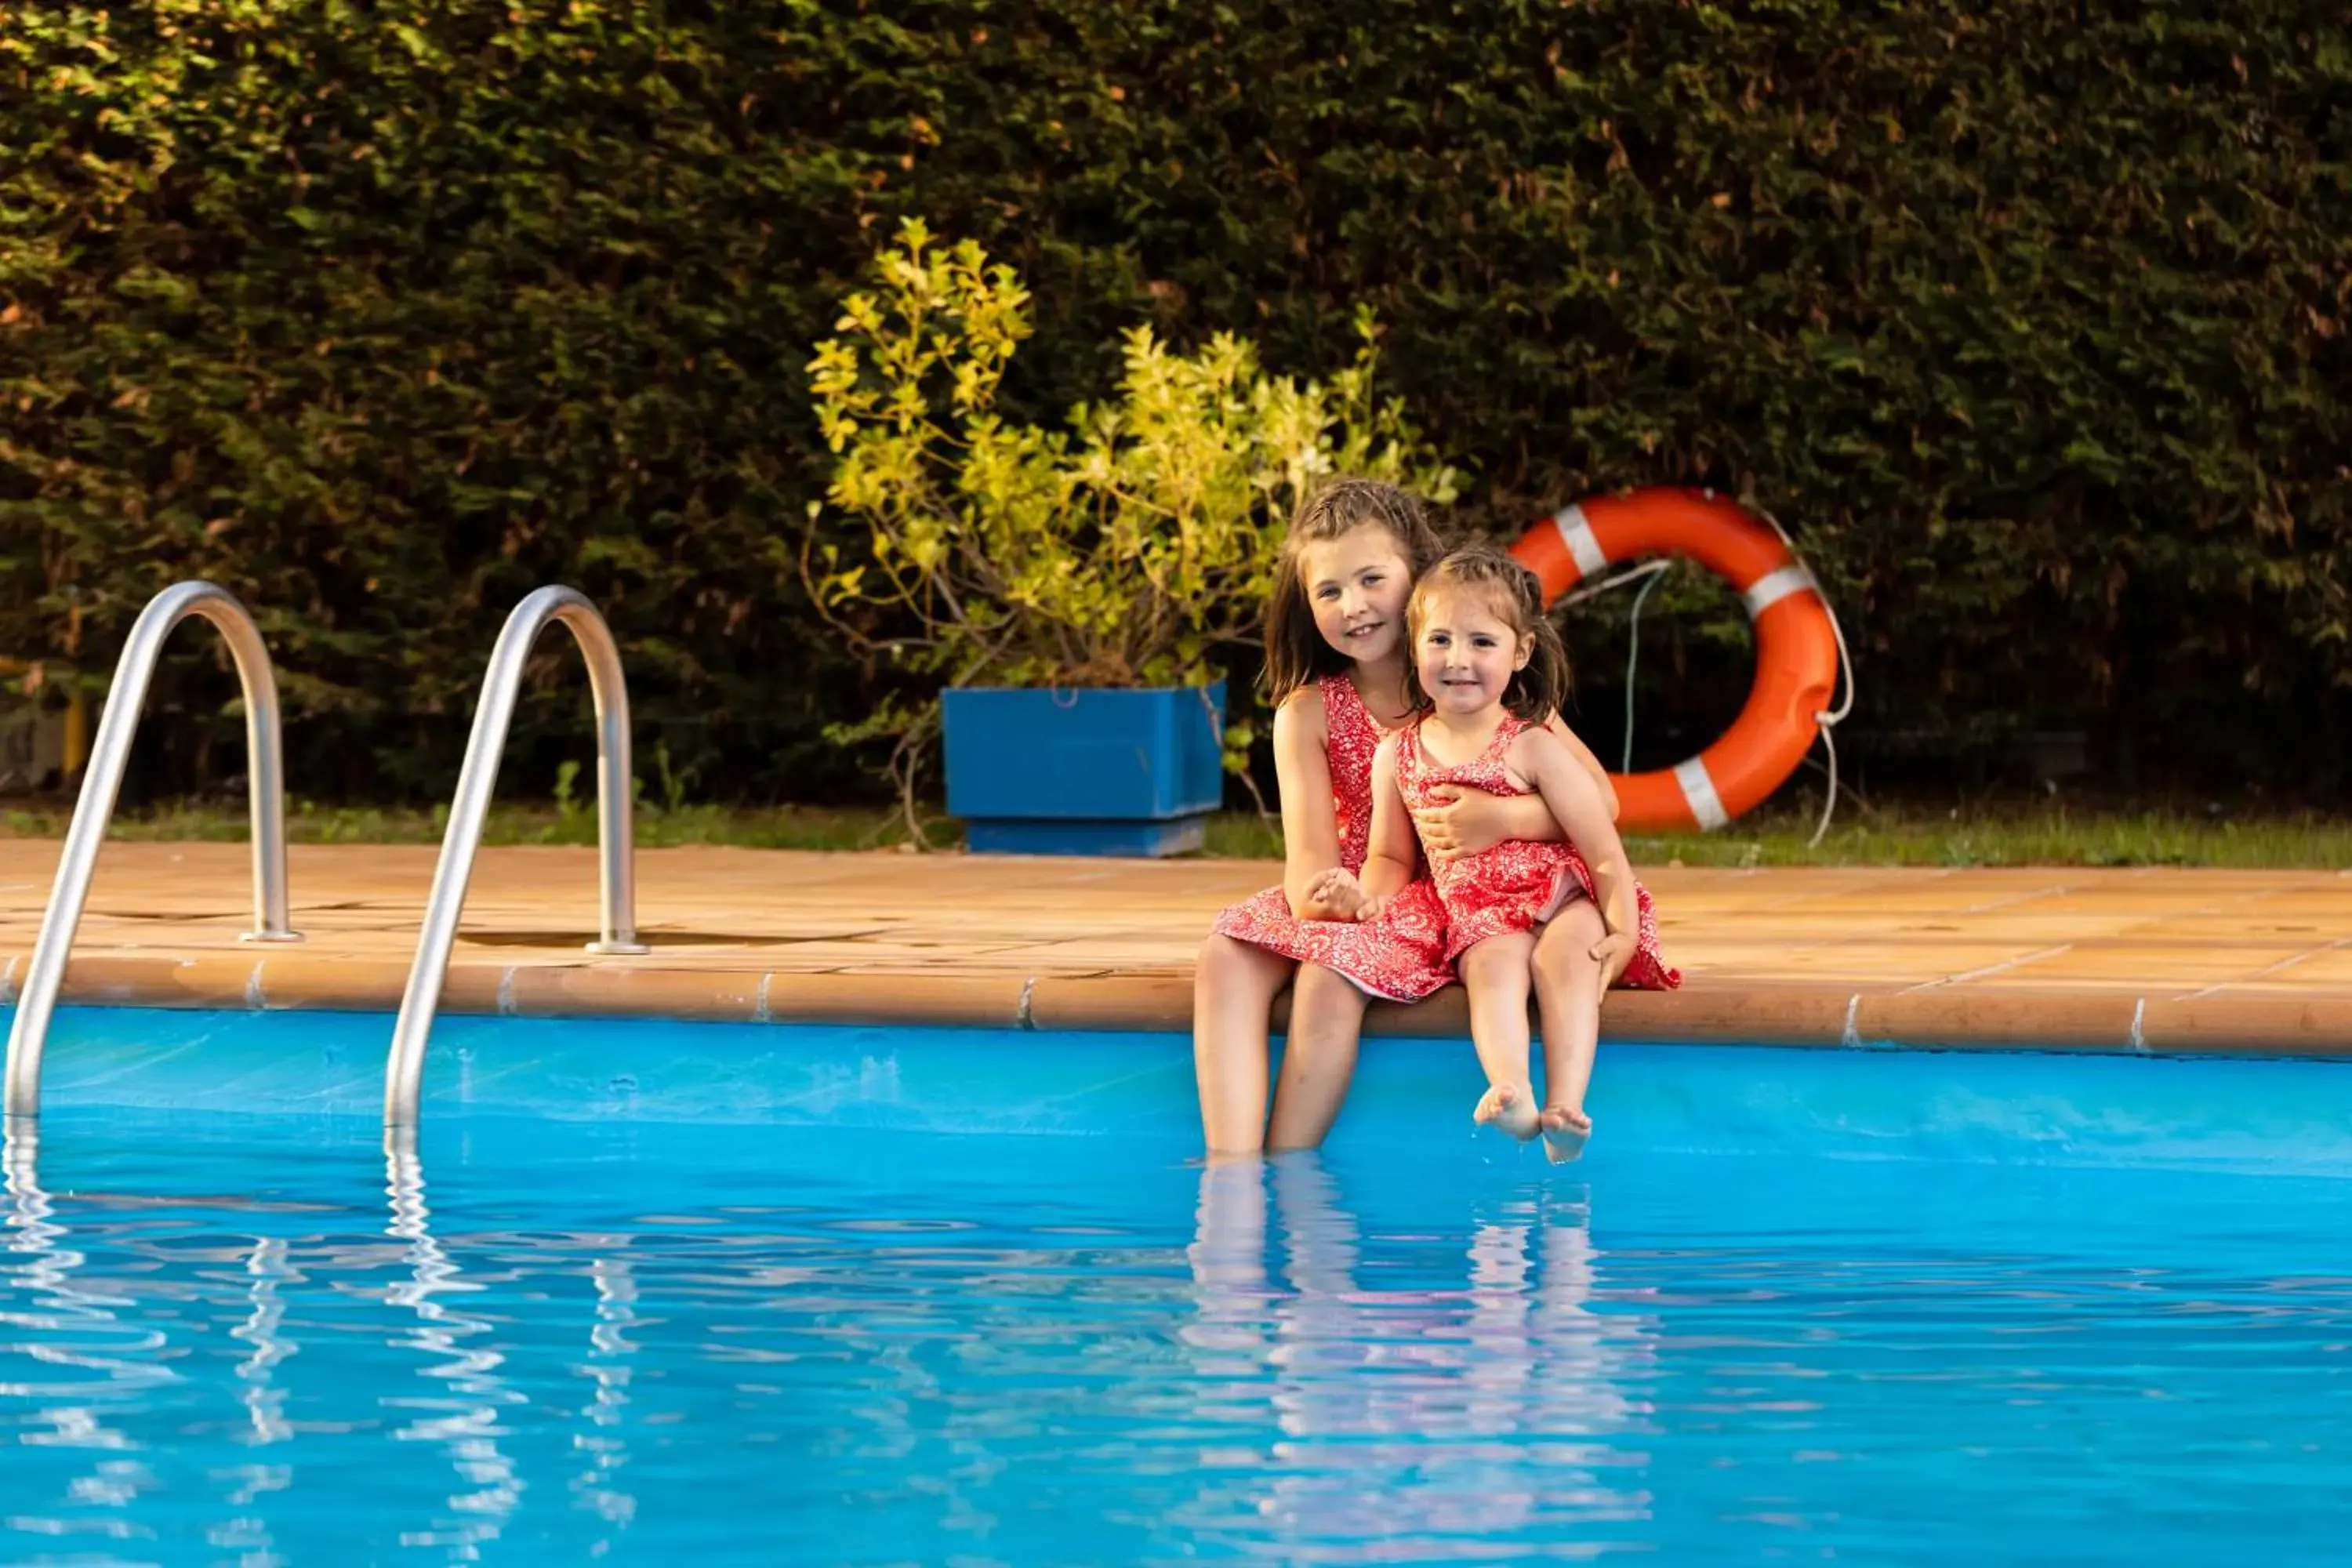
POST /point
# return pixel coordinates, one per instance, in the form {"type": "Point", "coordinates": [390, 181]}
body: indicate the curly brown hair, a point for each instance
{"type": "Point", "coordinates": [1295, 653]}
{"type": "Point", "coordinates": [1512, 591]}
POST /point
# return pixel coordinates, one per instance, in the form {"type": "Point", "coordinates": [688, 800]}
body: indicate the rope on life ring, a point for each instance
{"type": "Point", "coordinates": [1800, 648]}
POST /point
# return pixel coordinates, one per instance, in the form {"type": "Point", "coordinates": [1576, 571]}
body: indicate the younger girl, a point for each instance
{"type": "Point", "coordinates": [1569, 917]}
{"type": "Point", "coordinates": [1335, 670]}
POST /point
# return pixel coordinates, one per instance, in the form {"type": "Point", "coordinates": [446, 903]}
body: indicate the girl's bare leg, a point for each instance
{"type": "Point", "coordinates": [1233, 989]}
{"type": "Point", "coordinates": [1568, 993]}
{"type": "Point", "coordinates": [1495, 973]}
{"type": "Point", "coordinates": [1318, 1060]}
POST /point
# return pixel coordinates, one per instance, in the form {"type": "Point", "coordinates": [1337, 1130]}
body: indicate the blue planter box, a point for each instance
{"type": "Point", "coordinates": [1090, 772]}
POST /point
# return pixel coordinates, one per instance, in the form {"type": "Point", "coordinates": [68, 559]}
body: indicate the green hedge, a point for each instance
{"type": "Point", "coordinates": [2030, 319]}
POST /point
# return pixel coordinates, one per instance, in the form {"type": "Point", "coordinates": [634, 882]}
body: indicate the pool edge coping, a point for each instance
{"type": "Point", "coordinates": [1830, 1014]}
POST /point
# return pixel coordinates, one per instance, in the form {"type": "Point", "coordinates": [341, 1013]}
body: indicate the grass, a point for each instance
{"type": "Point", "coordinates": [2037, 835]}
{"type": "Point", "coordinates": [1989, 835]}
{"type": "Point", "coordinates": [776, 828]}
{"type": "Point", "coordinates": [1994, 833]}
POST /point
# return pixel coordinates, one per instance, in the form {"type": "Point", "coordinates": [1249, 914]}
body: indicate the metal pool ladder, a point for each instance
{"type": "Point", "coordinates": [28, 1035]}
{"type": "Point", "coordinates": [403, 1071]}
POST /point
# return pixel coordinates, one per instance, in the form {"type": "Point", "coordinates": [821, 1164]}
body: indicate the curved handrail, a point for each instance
{"type": "Point", "coordinates": [28, 1035]}
{"type": "Point", "coordinates": [403, 1071]}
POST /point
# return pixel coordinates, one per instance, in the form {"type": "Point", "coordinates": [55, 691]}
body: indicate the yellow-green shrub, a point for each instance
{"type": "Point", "coordinates": [1130, 546]}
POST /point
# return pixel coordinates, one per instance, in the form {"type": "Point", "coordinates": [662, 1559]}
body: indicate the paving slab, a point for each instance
{"type": "Point", "coordinates": [2127, 960]}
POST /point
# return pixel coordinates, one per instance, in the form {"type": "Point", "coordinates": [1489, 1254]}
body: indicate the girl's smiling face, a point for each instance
{"type": "Point", "coordinates": [1356, 585]}
{"type": "Point", "coordinates": [1466, 650]}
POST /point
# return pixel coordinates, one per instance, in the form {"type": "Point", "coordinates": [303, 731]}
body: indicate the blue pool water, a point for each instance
{"type": "Point", "coordinates": [738, 1295]}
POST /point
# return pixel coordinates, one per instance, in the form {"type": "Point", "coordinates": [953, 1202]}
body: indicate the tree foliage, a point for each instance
{"type": "Point", "coordinates": [2028, 318]}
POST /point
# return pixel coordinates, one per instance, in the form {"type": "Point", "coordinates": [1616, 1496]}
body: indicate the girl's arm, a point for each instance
{"type": "Point", "coordinates": [1585, 760]}
{"type": "Point", "coordinates": [1543, 760]}
{"type": "Point", "coordinates": [1470, 820]}
{"type": "Point", "coordinates": [1389, 863]}
{"type": "Point", "coordinates": [1310, 828]}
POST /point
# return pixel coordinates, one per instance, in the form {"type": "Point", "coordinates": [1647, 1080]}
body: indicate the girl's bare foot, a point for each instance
{"type": "Point", "coordinates": [1510, 1107]}
{"type": "Point", "coordinates": [1565, 1133]}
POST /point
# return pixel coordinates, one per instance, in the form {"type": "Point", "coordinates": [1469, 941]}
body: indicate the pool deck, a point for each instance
{"type": "Point", "coordinates": [2155, 959]}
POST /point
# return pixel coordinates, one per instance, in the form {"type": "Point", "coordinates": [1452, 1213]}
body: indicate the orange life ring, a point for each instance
{"type": "Point", "coordinates": [1796, 641]}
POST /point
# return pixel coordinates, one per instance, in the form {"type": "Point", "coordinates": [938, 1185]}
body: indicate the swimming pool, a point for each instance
{"type": "Point", "coordinates": [863, 1296]}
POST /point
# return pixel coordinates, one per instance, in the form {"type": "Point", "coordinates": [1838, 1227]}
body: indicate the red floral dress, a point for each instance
{"type": "Point", "coordinates": [1518, 883]}
{"type": "Point", "coordinates": [1401, 955]}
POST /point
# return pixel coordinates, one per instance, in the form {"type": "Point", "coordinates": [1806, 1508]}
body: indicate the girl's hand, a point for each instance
{"type": "Point", "coordinates": [1464, 822]}
{"type": "Point", "coordinates": [1614, 953]}
{"type": "Point", "coordinates": [1334, 895]}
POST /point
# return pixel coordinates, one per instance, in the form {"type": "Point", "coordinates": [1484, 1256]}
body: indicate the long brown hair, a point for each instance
{"type": "Point", "coordinates": [1295, 653]}
{"type": "Point", "coordinates": [1511, 590]}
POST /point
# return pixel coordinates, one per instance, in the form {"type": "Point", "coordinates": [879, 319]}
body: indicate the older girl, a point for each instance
{"type": "Point", "coordinates": [1335, 670]}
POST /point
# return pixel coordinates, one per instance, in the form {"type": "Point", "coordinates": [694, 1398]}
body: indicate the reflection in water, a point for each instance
{"type": "Point", "coordinates": [74, 1327]}
{"type": "Point", "coordinates": [1407, 1416]}
{"type": "Point", "coordinates": [468, 1421]}
{"type": "Point", "coordinates": [609, 1348]}
{"type": "Point", "coordinates": [267, 1268]}
{"type": "Point", "coordinates": [1041, 1350]}
{"type": "Point", "coordinates": [20, 1148]}
{"type": "Point", "coordinates": [115, 1312]}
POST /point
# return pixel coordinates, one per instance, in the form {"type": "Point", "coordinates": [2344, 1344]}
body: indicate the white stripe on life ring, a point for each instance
{"type": "Point", "coordinates": [1576, 532]}
{"type": "Point", "coordinates": [1774, 586]}
{"type": "Point", "coordinates": [1698, 791]}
